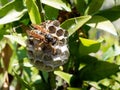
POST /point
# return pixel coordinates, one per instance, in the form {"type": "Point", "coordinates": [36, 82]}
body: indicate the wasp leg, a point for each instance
{"type": "Point", "coordinates": [52, 49]}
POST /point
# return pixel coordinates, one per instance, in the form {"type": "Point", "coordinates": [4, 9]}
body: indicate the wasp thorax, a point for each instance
{"type": "Point", "coordinates": [47, 45]}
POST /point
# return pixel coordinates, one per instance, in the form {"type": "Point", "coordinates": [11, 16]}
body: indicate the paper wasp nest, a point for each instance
{"type": "Point", "coordinates": [47, 45]}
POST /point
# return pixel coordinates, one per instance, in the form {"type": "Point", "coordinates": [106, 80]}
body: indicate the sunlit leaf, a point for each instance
{"type": "Point", "coordinates": [2, 44]}
{"type": "Point", "coordinates": [12, 11]}
{"type": "Point", "coordinates": [73, 24]}
{"type": "Point", "coordinates": [63, 75]}
{"type": "Point", "coordinates": [88, 46]}
{"type": "Point", "coordinates": [94, 6]}
{"type": "Point", "coordinates": [111, 52]}
{"type": "Point", "coordinates": [16, 38]}
{"type": "Point", "coordinates": [71, 88]}
{"type": "Point", "coordinates": [58, 4]}
{"type": "Point", "coordinates": [33, 11]}
{"type": "Point", "coordinates": [94, 84]}
{"type": "Point", "coordinates": [102, 23]}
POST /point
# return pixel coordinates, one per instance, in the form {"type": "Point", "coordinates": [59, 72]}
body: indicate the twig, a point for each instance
{"type": "Point", "coordinates": [51, 80]}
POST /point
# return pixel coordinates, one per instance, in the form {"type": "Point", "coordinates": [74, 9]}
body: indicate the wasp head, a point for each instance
{"type": "Point", "coordinates": [50, 39]}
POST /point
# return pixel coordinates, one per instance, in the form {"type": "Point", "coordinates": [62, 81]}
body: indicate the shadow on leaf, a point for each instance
{"type": "Point", "coordinates": [94, 70]}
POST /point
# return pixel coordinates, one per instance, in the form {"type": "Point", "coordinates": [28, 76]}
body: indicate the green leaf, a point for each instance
{"type": "Point", "coordinates": [64, 76]}
{"type": "Point", "coordinates": [71, 88]}
{"type": "Point", "coordinates": [58, 4]}
{"type": "Point", "coordinates": [102, 23]}
{"type": "Point", "coordinates": [2, 31]}
{"type": "Point", "coordinates": [112, 13]}
{"type": "Point", "coordinates": [48, 14]}
{"type": "Point", "coordinates": [38, 85]}
{"type": "Point", "coordinates": [33, 11]}
{"type": "Point", "coordinates": [16, 38]}
{"type": "Point", "coordinates": [21, 53]}
{"type": "Point", "coordinates": [12, 11]}
{"type": "Point", "coordinates": [94, 7]}
{"type": "Point", "coordinates": [81, 6]}
{"type": "Point", "coordinates": [73, 24]}
{"type": "Point", "coordinates": [96, 70]}
{"type": "Point", "coordinates": [3, 2]}
{"type": "Point", "coordinates": [23, 82]}
{"type": "Point", "coordinates": [2, 44]}
{"type": "Point", "coordinates": [114, 50]}
{"type": "Point", "coordinates": [88, 46]}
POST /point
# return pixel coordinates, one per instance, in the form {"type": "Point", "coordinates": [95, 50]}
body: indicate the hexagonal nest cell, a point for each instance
{"type": "Point", "coordinates": [47, 45]}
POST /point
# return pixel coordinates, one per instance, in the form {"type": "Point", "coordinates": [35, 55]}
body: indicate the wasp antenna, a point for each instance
{"type": "Point", "coordinates": [31, 27]}
{"type": "Point", "coordinates": [35, 26]}
{"type": "Point", "coordinates": [28, 32]}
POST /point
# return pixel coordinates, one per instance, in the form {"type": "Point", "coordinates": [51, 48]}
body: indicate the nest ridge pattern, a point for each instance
{"type": "Point", "coordinates": [47, 45]}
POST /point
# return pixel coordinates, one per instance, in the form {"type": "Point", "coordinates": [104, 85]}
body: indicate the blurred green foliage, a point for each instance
{"type": "Point", "coordinates": [93, 62]}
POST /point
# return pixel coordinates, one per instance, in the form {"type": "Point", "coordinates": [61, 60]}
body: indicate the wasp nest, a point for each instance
{"type": "Point", "coordinates": [47, 45]}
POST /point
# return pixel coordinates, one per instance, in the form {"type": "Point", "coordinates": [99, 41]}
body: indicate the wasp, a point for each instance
{"type": "Point", "coordinates": [37, 32]}
{"type": "Point", "coordinates": [40, 28]}
{"type": "Point", "coordinates": [43, 35]}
